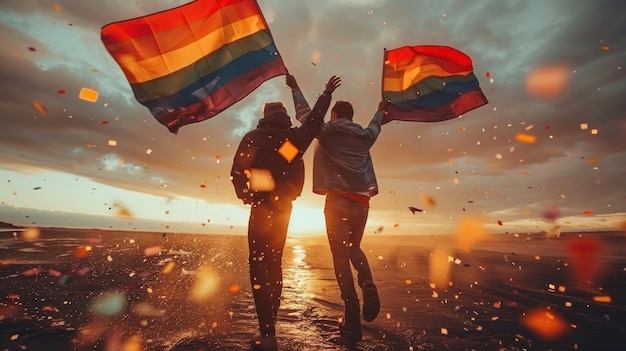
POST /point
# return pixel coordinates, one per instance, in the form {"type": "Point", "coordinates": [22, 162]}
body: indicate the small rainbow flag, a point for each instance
{"type": "Point", "coordinates": [429, 84]}
{"type": "Point", "coordinates": [189, 63]}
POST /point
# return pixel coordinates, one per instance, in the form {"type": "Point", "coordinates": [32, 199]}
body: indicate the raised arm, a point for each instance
{"type": "Point", "coordinates": [315, 118]}
{"type": "Point", "coordinates": [299, 101]}
{"type": "Point", "coordinates": [374, 127]}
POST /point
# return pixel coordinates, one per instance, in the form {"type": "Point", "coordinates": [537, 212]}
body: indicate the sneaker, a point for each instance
{"type": "Point", "coordinates": [267, 343]}
{"type": "Point", "coordinates": [371, 302]}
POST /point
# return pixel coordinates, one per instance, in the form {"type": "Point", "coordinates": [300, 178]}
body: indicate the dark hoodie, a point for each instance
{"type": "Point", "coordinates": [259, 150]}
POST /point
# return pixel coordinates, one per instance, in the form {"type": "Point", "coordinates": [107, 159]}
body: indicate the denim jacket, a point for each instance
{"type": "Point", "coordinates": [342, 160]}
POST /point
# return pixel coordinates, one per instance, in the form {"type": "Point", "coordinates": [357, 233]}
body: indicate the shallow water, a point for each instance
{"type": "Point", "coordinates": [151, 291]}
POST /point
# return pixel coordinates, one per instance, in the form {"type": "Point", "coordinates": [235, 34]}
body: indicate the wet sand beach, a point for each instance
{"type": "Point", "coordinates": [75, 289]}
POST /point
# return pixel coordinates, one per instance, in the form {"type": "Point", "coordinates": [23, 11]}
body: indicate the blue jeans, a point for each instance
{"type": "Point", "coordinates": [267, 232]}
{"type": "Point", "coordinates": [345, 223]}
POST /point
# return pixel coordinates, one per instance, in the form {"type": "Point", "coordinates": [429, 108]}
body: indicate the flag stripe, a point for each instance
{"type": "Point", "coordinates": [416, 76]}
{"type": "Point", "coordinates": [176, 81]}
{"type": "Point", "coordinates": [422, 91]}
{"type": "Point", "coordinates": [450, 59]}
{"type": "Point", "coordinates": [438, 97]}
{"type": "Point", "coordinates": [164, 21]}
{"type": "Point", "coordinates": [205, 86]}
{"type": "Point", "coordinates": [187, 33]}
{"type": "Point", "coordinates": [159, 66]}
{"type": "Point", "coordinates": [463, 103]}
{"type": "Point", "coordinates": [223, 97]}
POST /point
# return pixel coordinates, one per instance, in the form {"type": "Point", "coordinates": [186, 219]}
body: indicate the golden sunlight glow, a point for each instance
{"type": "Point", "coordinates": [307, 221]}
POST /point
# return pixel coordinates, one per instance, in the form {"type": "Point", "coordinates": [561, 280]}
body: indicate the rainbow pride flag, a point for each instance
{"type": "Point", "coordinates": [189, 63]}
{"type": "Point", "coordinates": [429, 84]}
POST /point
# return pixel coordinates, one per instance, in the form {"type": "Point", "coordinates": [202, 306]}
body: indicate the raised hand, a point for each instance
{"type": "Point", "coordinates": [333, 83]}
{"type": "Point", "coordinates": [291, 81]}
{"type": "Point", "coordinates": [382, 105]}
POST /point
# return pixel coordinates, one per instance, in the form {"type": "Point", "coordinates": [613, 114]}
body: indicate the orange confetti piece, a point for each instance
{"type": "Point", "coordinates": [31, 234]}
{"type": "Point", "coordinates": [428, 200]}
{"type": "Point", "coordinates": [260, 180]}
{"type": "Point", "coordinates": [82, 251]}
{"type": "Point", "coordinates": [586, 258]}
{"type": "Point", "coordinates": [288, 151]}
{"type": "Point", "coordinates": [439, 268]}
{"type": "Point", "coordinates": [234, 289]}
{"type": "Point", "coordinates": [152, 250]}
{"type": "Point", "coordinates": [40, 107]}
{"type": "Point", "coordinates": [594, 161]}
{"type": "Point", "coordinates": [57, 8]}
{"type": "Point", "coordinates": [525, 138]}
{"type": "Point", "coordinates": [547, 82]}
{"type": "Point", "coordinates": [88, 94]}
{"type": "Point", "coordinates": [546, 324]}
{"type": "Point", "coordinates": [122, 211]}
{"type": "Point", "coordinates": [606, 48]}
{"type": "Point", "coordinates": [588, 212]}
{"type": "Point", "coordinates": [168, 267]}
{"type": "Point", "coordinates": [203, 186]}
{"type": "Point", "coordinates": [488, 74]}
{"type": "Point", "coordinates": [602, 299]}
{"type": "Point", "coordinates": [471, 231]}
{"type": "Point", "coordinates": [61, 92]}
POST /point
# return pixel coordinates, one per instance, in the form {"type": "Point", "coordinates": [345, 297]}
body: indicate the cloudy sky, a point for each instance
{"type": "Point", "coordinates": [551, 70]}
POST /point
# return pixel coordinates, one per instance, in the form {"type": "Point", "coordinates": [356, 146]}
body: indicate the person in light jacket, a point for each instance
{"type": "Point", "coordinates": [343, 171]}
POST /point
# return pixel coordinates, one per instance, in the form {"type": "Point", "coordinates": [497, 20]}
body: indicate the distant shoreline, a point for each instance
{"type": "Point", "coordinates": [5, 226]}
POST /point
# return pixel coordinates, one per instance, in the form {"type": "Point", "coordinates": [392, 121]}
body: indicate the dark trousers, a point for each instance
{"type": "Point", "coordinates": [345, 223]}
{"type": "Point", "coordinates": [267, 232]}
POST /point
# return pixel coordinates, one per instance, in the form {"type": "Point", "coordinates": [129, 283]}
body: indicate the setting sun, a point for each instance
{"type": "Point", "coordinates": [307, 221]}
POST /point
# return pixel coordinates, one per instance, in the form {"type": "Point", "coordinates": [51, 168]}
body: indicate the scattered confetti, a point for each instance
{"type": "Point", "coordinates": [545, 323]}
{"type": "Point", "coordinates": [602, 299]}
{"type": "Point", "coordinates": [31, 234]}
{"type": "Point", "coordinates": [88, 94]}
{"type": "Point", "coordinates": [288, 151]}
{"type": "Point", "coordinates": [109, 304]}
{"type": "Point", "coordinates": [439, 268]}
{"type": "Point", "coordinates": [428, 200]}
{"type": "Point", "coordinates": [260, 179]}
{"type": "Point", "coordinates": [234, 289]}
{"type": "Point", "coordinates": [525, 138]}
{"type": "Point", "coordinates": [207, 282]}
{"type": "Point", "coordinates": [547, 82]}
{"type": "Point", "coordinates": [40, 107]}
{"type": "Point", "coordinates": [152, 250]}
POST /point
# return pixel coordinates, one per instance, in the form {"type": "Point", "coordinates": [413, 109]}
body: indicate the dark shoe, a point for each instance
{"type": "Point", "coordinates": [264, 343]}
{"type": "Point", "coordinates": [351, 331]}
{"type": "Point", "coordinates": [371, 302]}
